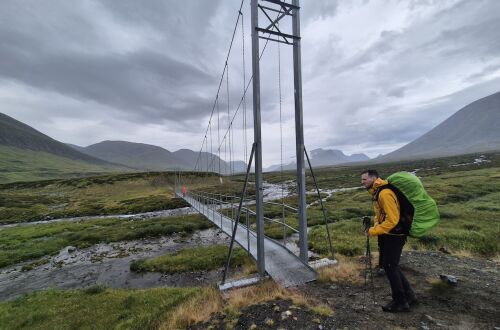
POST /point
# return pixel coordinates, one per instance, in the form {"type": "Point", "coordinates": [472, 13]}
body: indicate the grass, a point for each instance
{"type": "Point", "coordinates": [102, 195]}
{"type": "Point", "coordinates": [30, 242]}
{"type": "Point", "coordinates": [348, 270]}
{"type": "Point", "coordinates": [98, 307]}
{"type": "Point", "coordinates": [470, 216]}
{"type": "Point", "coordinates": [191, 259]}
{"type": "Point", "coordinates": [195, 310]}
{"type": "Point", "coordinates": [94, 308]}
{"type": "Point", "coordinates": [27, 165]}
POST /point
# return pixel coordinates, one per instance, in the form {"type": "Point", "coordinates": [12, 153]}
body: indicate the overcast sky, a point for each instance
{"type": "Point", "coordinates": [376, 74]}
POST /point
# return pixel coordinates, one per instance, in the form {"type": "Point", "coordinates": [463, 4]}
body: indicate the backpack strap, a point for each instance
{"type": "Point", "coordinates": [406, 210]}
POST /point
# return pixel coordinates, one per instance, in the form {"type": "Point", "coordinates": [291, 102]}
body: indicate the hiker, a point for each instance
{"type": "Point", "coordinates": [184, 191]}
{"type": "Point", "coordinates": [392, 237]}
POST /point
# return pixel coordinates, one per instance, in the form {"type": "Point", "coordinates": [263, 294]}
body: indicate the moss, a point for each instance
{"type": "Point", "coordinates": [199, 258]}
{"type": "Point", "coordinates": [93, 308]}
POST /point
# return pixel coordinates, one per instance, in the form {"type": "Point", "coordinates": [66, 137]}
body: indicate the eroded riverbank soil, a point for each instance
{"type": "Point", "coordinates": [472, 304]}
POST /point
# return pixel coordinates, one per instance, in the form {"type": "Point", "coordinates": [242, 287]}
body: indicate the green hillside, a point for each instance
{"type": "Point", "coordinates": [28, 165]}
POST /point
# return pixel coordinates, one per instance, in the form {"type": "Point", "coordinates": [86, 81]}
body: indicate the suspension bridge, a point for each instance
{"type": "Point", "coordinates": [242, 216]}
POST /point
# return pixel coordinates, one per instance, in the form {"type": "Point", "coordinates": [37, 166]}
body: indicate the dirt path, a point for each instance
{"type": "Point", "coordinates": [472, 304]}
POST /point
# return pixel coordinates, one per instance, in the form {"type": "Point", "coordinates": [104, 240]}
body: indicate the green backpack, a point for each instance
{"type": "Point", "coordinates": [409, 189]}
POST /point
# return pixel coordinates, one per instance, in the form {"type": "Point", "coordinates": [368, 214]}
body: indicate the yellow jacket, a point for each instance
{"type": "Point", "coordinates": [386, 209]}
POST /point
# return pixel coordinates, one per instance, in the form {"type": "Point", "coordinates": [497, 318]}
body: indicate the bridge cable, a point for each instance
{"type": "Point", "coordinates": [223, 71]}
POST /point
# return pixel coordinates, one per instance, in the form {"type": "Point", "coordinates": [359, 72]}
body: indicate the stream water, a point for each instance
{"type": "Point", "coordinates": [109, 263]}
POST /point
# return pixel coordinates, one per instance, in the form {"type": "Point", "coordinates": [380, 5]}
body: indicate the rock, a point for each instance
{"type": "Point", "coordinates": [429, 318]}
{"type": "Point", "coordinates": [320, 327]}
{"type": "Point", "coordinates": [444, 250]}
{"type": "Point", "coordinates": [450, 279]}
{"type": "Point", "coordinates": [276, 309]}
{"type": "Point", "coordinates": [318, 321]}
{"type": "Point", "coordinates": [333, 287]}
{"type": "Point", "coordinates": [269, 322]}
{"type": "Point", "coordinates": [424, 326]}
{"type": "Point", "coordinates": [285, 315]}
{"type": "Point", "coordinates": [253, 326]}
{"type": "Point", "coordinates": [71, 249]}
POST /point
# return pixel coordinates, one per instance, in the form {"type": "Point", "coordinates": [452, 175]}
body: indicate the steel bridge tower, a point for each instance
{"type": "Point", "coordinates": [273, 33]}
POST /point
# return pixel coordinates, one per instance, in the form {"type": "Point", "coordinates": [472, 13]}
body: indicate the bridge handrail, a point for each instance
{"type": "Point", "coordinates": [249, 211]}
{"type": "Point", "coordinates": [238, 198]}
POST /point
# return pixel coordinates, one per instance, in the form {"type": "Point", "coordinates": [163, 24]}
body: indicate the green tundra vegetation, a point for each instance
{"type": "Point", "coordinates": [191, 259]}
{"type": "Point", "coordinates": [22, 243]}
{"type": "Point", "coordinates": [28, 165]}
{"type": "Point", "coordinates": [467, 200]}
{"type": "Point", "coordinates": [101, 195]}
{"type": "Point", "coordinates": [93, 308]}
{"type": "Point", "coordinates": [467, 195]}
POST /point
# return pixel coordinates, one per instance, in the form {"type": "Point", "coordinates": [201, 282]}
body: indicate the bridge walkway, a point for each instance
{"type": "Point", "coordinates": [280, 263]}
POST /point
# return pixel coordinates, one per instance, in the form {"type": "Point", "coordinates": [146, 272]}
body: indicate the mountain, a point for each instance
{"type": "Point", "coordinates": [323, 157]}
{"type": "Point", "coordinates": [153, 158]}
{"type": "Point", "coordinates": [77, 148]}
{"type": "Point", "coordinates": [27, 155]}
{"type": "Point", "coordinates": [191, 157]}
{"type": "Point", "coordinates": [474, 128]}
{"type": "Point", "coordinates": [14, 133]}
{"type": "Point", "coordinates": [137, 155]}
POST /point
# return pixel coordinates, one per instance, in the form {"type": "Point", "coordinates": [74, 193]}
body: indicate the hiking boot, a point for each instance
{"type": "Point", "coordinates": [411, 298]}
{"type": "Point", "coordinates": [394, 307]}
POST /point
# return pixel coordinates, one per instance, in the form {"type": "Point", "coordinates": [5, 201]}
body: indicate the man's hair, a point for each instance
{"type": "Point", "coordinates": [371, 173]}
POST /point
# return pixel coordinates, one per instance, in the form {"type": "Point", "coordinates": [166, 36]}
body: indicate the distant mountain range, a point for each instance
{"type": "Point", "coordinates": [27, 154]}
{"type": "Point", "coordinates": [474, 128]}
{"type": "Point", "coordinates": [14, 133]}
{"type": "Point", "coordinates": [323, 157]}
{"type": "Point", "coordinates": [153, 158]}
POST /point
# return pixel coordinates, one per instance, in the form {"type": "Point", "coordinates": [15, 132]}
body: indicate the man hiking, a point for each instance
{"type": "Point", "coordinates": [392, 238]}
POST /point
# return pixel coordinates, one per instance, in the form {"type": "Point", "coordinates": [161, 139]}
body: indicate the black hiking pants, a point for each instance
{"type": "Point", "coordinates": [391, 247]}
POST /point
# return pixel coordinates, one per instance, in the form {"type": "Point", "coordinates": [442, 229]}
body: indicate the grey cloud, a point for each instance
{"type": "Point", "coordinates": [395, 126]}
{"type": "Point", "coordinates": [146, 83]}
{"type": "Point", "coordinates": [484, 72]}
{"type": "Point", "coordinates": [398, 91]}
{"type": "Point", "coordinates": [320, 9]}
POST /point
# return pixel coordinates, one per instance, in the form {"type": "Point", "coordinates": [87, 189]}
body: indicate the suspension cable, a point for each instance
{"type": "Point", "coordinates": [223, 71]}
{"type": "Point", "coordinates": [246, 88]}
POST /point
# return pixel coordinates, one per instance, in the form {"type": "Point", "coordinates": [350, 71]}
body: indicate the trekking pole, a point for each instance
{"type": "Point", "coordinates": [368, 259]}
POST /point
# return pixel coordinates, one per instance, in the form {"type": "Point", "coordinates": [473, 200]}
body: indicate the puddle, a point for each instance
{"type": "Point", "coordinates": [109, 264]}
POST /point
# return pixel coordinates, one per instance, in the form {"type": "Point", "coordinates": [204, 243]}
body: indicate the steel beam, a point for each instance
{"type": "Point", "coordinates": [259, 210]}
{"type": "Point", "coordinates": [299, 132]}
